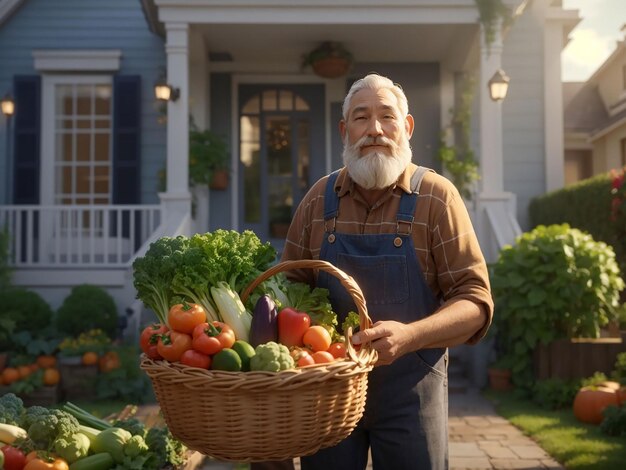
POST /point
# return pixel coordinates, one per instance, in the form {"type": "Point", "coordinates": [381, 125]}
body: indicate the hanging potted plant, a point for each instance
{"type": "Point", "coordinates": [208, 159]}
{"type": "Point", "coordinates": [329, 60]}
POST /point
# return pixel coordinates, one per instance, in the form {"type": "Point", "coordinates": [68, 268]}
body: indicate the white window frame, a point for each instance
{"type": "Point", "coordinates": [48, 147]}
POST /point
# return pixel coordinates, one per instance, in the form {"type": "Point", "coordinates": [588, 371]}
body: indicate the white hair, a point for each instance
{"type": "Point", "coordinates": [373, 81]}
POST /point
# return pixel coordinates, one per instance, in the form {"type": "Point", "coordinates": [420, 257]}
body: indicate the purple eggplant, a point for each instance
{"type": "Point", "coordinates": [264, 326]}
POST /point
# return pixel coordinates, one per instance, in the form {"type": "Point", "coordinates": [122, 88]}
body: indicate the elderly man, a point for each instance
{"type": "Point", "coordinates": [404, 234]}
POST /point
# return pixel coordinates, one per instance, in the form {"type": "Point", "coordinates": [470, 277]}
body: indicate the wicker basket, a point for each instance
{"type": "Point", "coordinates": [260, 416]}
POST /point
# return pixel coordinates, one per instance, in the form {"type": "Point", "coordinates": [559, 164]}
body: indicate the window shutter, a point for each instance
{"type": "Point", "coordinates": [27, 133]}
{"type": "Point", "coordinates": [126, 139]}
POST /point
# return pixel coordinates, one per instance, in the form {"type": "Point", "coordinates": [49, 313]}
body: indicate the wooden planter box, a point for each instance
{"type": "Point", "coordinates": [576, 358]}
{"type": "Point", "coordinates": [78, 381]}
{"type": "Point", "coordinates": [44, 396]}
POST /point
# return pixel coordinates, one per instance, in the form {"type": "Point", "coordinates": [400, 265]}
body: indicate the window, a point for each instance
{"type": "Point", "coordinates": [77, 140]}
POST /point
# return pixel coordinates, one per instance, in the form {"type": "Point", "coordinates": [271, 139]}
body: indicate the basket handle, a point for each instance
{"type": "Point", "coordinates": [346, 281]}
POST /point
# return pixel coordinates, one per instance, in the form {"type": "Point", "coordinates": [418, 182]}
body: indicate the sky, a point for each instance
{"type": "Point", "coordinates": [595, 37]}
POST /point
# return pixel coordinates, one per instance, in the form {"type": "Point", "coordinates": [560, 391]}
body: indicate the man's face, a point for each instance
{"type": "Point", "coordinates": [374, 114]}
{"type": "Point", "coordinates": [376, 139]}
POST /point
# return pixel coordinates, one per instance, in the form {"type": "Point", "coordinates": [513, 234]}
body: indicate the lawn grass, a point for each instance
{"type": "Point", "coordinates": [575, 445]}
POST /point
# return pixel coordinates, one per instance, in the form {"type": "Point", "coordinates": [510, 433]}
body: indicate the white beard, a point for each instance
{"type": "Point", "coordinates": [375, 170]}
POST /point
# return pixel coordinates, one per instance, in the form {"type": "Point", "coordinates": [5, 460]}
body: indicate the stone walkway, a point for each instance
{"type": "Point", "coordinates": [479, 439]}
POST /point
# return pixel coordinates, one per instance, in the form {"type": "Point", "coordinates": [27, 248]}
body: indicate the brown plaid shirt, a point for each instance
{"type": "Point", "coordinates": [444, 239]}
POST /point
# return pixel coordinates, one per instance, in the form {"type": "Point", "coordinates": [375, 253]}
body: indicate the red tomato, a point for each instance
{"type": "Point", "coordinates": [150, 336]}
{"type": "Point", "coordinates": [14, 459]}
{"type": "Point", "coordinates": [317, 338]}
{"type": "Point", "coordinates": [173, 344]}
{"type": "Point", "coordinates": [291, 326]}
{"type": "Point", "coordinates": [211, 338]}
{"type": "Point", "coordinates": [322, 357]}
{"type": "Point", "coordinates": [305, 359]}
{"type": "Point", "coordinates": [338, 350]}
{"type": "Point", "coordinates": [195, 359]}
{"type": "Point", "coordinates": [185, 317]}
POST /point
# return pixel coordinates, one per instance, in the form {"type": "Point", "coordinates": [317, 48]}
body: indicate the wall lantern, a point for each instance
{"type": "Point", "coordinates": [8, 105]}
{"type": "Point", "coordinates": [165, 92]}
{"type": "Point", "coordinates": [498, 85]}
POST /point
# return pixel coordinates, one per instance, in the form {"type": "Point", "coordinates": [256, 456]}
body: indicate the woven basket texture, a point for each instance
{"type": "Point", "coordinates": [261, 416]}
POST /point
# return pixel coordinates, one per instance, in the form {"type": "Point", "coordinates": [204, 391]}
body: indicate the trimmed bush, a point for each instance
{"type": "Point", "coordinates": [86, 308]}
{"type": "Point", "coordinates": [555, 282]}
{"type": "Point", "coordinates": [26, 309]}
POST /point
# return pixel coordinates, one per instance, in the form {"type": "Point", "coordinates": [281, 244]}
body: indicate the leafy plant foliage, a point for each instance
{"type": "Point", "coordinates": [555, 282]}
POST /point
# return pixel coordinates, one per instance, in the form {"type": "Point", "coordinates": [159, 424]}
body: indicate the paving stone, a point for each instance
{"type": "Point", "coordinates": [498, 452]}
{"type": "Point", "coordinates": [473, 463]}
{"type": "Point", "coordinates": [513, 463]}
{"type": "Point", "coordinates": [465, 449]}
{"type": "Point", "coordinates": [529, 452]}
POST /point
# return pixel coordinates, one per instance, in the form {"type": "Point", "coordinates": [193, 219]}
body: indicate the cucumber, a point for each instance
{"type": "Point", "coordinates": [102, 461]}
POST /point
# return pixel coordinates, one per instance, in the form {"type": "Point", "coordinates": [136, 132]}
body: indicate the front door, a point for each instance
{"type": "Point", "coordinates": [281, 135]}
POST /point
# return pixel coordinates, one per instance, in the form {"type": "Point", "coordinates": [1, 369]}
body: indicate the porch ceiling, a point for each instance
{"type": "Point", "coordinates": [286, 44]}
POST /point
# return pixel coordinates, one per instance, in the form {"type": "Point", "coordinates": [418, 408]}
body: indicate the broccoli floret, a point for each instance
{"type": "Point", "coordinates": [72, 448]}
{"type": "Point", "coordinates": [135, 446]}
{"type": "Point", "coordinates": [11, 409]}
{"type": "Point", "coordinates": [31, 414]}
{"type": "Point", "coordinates": [272, 357]}
{"type": "Point", "coordinates": [166, 448]}
{"type": "Point", "coordinates": [132, 425]}
{"type": "Point", "coordinates": [56, 424]}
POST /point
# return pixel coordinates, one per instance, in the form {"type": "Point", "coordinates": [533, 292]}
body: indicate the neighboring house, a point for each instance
{"type": "Point", "coordinates": [595, 120]}
{"type": "Point", "coordinates": [79, 191]}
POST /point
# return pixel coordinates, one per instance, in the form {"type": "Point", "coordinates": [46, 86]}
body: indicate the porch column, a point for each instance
{"type": "Point", "coordinates": [495, 218]}
{"type": "Point", "coordinates": [177, 199]}
{"type": "Point", "coordinates": [490, 117]}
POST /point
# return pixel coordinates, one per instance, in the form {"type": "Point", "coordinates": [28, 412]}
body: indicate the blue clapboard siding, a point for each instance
{"type": "Point", "coordinates": [89, 24]}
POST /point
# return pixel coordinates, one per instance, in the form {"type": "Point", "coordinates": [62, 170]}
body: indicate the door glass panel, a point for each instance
{"type": "Point", "coordinates": [303, 157]}
{"type": "Point", "coordinates": [269, 100]}
{"type": "Point", "coordinates": [279, 166]}
{"type": "Point", "coordinates": [253, 106]}
{"type": "Point", "coordinates": [251, 168]}
{"type": "Point", "coordinates": [301, 105]}
{"type": "Point", "coordinates": [285, 100]}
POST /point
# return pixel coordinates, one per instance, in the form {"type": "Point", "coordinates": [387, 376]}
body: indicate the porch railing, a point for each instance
{"type": "Point", "coordinates": [77, 236]}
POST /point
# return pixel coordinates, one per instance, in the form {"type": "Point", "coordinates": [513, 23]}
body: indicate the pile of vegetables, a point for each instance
{"type": "Point", "coordinates": [38, 438]}
{"type": "Point", "coordinates": [193, 286]}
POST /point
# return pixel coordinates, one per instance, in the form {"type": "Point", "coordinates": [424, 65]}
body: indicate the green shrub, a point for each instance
{"type": "Point", "coordinates": [585, 205]}
{"type": "Point", "coordinates": [5, 270]}
{"type": "Point", "coordinates": [614, 422]}
{"type": "Point", "coordinates": [619, 371]}
{"type": "Point", "coordinates": [24, 310]}
{"type": "Point", "coordinates": [555, 282]}
{"type": "Point", "coordinates": [555, 394]}
{"type": "Point", "coordinates": [86, 308]}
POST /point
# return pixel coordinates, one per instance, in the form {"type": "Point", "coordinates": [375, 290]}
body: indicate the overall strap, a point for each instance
{"type": "Point", "coordinates": [408, 202]}
{"type": "Point", "coordinates": [331, 201]}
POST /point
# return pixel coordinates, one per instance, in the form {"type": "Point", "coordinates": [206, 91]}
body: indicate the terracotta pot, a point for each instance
{"type": "Point", "coordinates": [219, 180]}
{"type": "Point", "coordinates": [331, 67]}
{"type": "Point", "coordinates": [500, 379]}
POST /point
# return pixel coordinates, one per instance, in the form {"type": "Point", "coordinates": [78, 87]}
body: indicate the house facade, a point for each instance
{"type": "Point", "coordinates": [80, 192]}
{"type": "Point", "coordinates": [595, 120]}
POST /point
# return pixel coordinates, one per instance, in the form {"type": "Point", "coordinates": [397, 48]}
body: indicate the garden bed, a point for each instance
{"type": "Point", "coordinates": [576, 358]}
{"type": "Point", "coordinates": [43, 396]}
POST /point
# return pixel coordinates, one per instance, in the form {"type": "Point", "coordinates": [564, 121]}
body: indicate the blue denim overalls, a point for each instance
{"type": "Point", "coordinates": [406, 413]}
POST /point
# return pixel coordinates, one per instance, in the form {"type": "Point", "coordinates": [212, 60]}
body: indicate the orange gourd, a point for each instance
{"type": "Point", "coordinates": [90, 358]}
{"type": "Point", "coordinates": [51, 376]}
{"type": "Point", "coordinates": [10, 375]}
{"type": "Point", "coordinates": [109, 362]}
{"type": "Point", "coordinates": [591, 401]}
{"type": "Point", "coordinates": [46, 361]}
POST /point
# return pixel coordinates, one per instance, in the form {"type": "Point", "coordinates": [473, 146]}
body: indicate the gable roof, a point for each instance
{"type": "Point", "coordinates": [583, 109]}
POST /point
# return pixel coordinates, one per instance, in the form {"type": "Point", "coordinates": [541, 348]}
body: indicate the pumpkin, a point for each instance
{"type": "Point", "coordinates": [109, 362]}
{"type": "Point", "coordinates": [591, 401]}
{"type": "Point", "coordinates": [46, 361]}
{"type": "Point", "coordinates": [90, 358]}
{"type": "Point", "coordinates": [51, 376]}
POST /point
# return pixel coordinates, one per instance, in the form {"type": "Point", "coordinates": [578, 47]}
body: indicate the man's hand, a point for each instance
{"type": "Point", "coordinates": [391, 339]}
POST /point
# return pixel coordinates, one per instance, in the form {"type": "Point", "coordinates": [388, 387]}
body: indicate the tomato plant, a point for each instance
{"type": "Point", "coordinates": [185, 317]}
{"type": "Point", "coordinates": [14, 459]}
{"type": "Point", "coordinates": [211, 338]}
{"type": "Point", "coordinates": [193, 358]}
{"type": "Point", "coordinates": [317, 338]}
{"type": "Point", "coordinates": [292, 325]}
{"type": "Point", "coordinates": [173, 344]}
